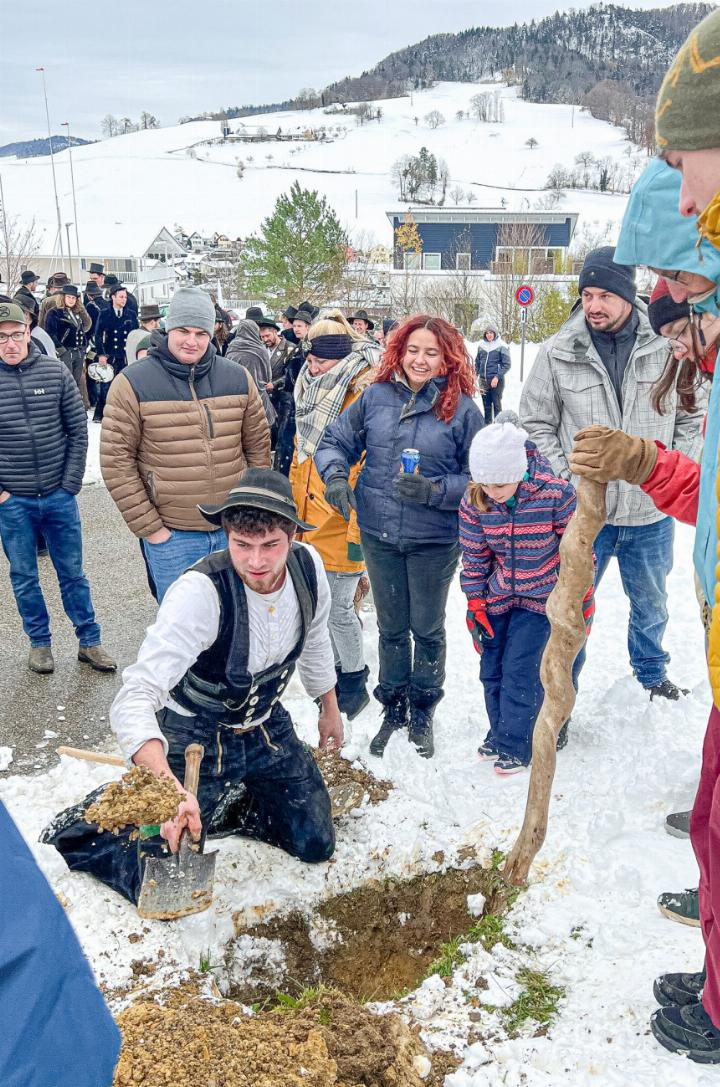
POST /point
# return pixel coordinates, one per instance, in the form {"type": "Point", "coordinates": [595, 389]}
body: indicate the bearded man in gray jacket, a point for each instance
{"type": "Point", "coordinates": [600, 368]}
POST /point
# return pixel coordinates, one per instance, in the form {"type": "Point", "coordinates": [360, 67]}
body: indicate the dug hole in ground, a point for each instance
{"type": "Point", "coordinates": [553, 988]}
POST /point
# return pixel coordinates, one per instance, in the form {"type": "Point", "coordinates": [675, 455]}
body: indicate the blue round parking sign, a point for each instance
{"type": "Point", "coordinates": [524, 295]}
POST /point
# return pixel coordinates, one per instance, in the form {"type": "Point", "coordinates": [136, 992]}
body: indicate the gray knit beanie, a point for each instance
{"type": "Point", "coordinates": [191, 307]}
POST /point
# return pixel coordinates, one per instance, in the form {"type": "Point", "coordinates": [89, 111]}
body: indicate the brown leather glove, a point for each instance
{"type": "Point", "coordinates": [602, 454]}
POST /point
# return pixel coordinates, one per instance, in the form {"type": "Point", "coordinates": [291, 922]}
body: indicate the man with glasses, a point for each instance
{"type": "Point", "coordinates": [179, 427]}
{"type": "Point", "coordinates": [43, 445]}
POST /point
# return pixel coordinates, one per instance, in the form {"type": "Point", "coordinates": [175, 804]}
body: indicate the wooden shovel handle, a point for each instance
{"type": "Point", "coordinates": [91, 756]}
{"type": "Point", "coordinates": [193, 757]}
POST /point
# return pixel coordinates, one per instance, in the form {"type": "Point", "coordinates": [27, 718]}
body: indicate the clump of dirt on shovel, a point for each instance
{"type": "Point", "coordinates": [325, 1040]}
{"type": "Point", "coordinates": [338, 773]}
{"type": "Point", "coordinates": [137, 799]}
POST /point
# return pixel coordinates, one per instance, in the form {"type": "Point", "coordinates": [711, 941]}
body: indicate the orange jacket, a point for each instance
{"type": "Point", "coordinates": [336, 540]}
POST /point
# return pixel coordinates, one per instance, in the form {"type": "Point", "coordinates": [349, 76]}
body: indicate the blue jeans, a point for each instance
{"type": "Point", "coordinates": [284, 801]}
{"type": "Point", "coordinates": [57, 517]}
{"type": "Point", "coordinates": [167, 561]}
{"type": "Point", "coordinates": [645, 558]}
{"type": "Point", "coordinates": [510, 675]}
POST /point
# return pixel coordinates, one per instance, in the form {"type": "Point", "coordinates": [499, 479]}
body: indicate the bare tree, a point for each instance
{"type": "Point", "coordinates": [456, 294]}
{"type": "Point", "coordinates": [518, 263]}
{"type": "Point", "coordinates": [109, 126]}
{"type": "Point", "coordinates": [19, 243]}
{"type": "Point", "coordinates": [532, 143]}
{"type": "Point", "coordinates": [457, 194]}
{"type": "Point", "coordinates": [148, 120]}
{"type": "Point", "coordinates": [434, 118]}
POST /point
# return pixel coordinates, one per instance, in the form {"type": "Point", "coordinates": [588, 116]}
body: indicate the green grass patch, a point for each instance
{"type": "Point", "coordinates": [450, 956]}
{"type": "Point", "coordinates": [489, 930]}
{"type": "Point", "coordinates": [538, 1001]}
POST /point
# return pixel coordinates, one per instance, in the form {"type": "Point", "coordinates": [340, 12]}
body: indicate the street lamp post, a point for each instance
{"type": "Point", "coordinates": [66, 124]}
{"type": "Point", "coordinates": [52, 164]}
{"type": "Point", "coordinates": [67, 230]}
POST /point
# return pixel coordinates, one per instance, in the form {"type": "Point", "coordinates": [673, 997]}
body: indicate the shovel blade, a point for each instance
{"type": "Point", "coordinates": [178, 885]}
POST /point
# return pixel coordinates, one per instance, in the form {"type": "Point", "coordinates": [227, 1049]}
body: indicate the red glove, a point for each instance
{"type": "Point", "coordinates": [588, 607]}
{"type": "Point", "coordinates": [478, 623]}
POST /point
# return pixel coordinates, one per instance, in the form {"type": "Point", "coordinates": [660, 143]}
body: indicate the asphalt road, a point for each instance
{"type": "Point", "coordinates": [74, 701]}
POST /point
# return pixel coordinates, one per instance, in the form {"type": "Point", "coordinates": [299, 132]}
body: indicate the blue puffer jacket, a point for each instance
{"type": "Point", "coordinates": [492, 360]}
{"type": "Point", "coordinates": [386, 419]}
{"type": "Point", "coordinates": [43, 427]}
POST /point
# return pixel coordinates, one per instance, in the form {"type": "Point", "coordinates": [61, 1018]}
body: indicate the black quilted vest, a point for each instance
{"type": "Point", "coordinates": [219, 685]}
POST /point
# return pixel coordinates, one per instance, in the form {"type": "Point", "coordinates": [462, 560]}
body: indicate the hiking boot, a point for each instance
{"type": "Point", "coordinates": [666, 689]}
{"type": "Point", "coordinates": [396, 715]}
{"type": "Point", "coordinates": [97, 658]}
{"type": "Point", "coordinates": [40, 660]}
{"type": "Point", "coordinates": [509, 764]}
{"type": "Point", "coordinates": [422, 710]}
{"type": "Point", "coordinates": [679, 989]}
{"type": "Point", "coordinates": [352, 692]}
{"type": "Point", "coordinates": [682, 907]}
{"type": "Point", "coordinates": [563, 736]}
{"type": "Point", "coordinates": [487, 751]}
{"type": "Point", "coordinates": [678, 824]}
{"type": "Point", "coordinates": [689, 1031]}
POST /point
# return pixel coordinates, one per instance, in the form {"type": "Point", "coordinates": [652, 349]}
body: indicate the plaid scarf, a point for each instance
{"type": "Point", "coordinates": [319, 401]}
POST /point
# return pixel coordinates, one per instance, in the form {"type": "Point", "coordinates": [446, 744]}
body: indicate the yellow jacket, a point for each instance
{"type": "Point", "coordinates": [336, 540]}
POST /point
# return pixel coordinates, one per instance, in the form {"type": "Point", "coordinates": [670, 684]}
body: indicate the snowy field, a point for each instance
{"type": "Point", "coordinates": [589, 916]}
{"type": "Point", "coordinates": [130, 186]}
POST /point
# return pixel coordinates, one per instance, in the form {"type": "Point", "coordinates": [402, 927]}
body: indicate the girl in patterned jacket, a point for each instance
{"type": "Point", "coordinates": [512, 518]}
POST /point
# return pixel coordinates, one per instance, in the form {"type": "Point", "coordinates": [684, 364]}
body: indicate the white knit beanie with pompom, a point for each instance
{"type": "Point", "coordinates": [497, 453]}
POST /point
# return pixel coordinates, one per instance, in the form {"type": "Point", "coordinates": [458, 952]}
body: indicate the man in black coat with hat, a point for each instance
{"type": "Point", "coordinates": [212, 670]}
{"type": "Point", "coordinates": [25, 295]}
{"type": "Point", "coordinates": [112, 283]}
{"type": "Point", "coordinates": [113, 327]}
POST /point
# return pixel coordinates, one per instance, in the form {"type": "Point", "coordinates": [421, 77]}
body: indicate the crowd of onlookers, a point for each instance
{"type": "Point", "coordinates": [402, 475]}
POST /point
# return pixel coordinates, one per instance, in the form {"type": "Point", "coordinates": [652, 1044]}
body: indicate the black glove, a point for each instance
{"type": "Point", "coordinates": [339, 494]}
{"type": "Point", "coordinates": [410, 487]}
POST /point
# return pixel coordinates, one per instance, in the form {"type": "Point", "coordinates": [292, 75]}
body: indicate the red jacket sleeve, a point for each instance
{"type": "Point", "coordinates": [674, 485]}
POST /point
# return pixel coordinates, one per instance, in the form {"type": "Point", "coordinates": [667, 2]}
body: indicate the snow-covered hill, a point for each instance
{"type": "Point", "coordinates": [130, 186]}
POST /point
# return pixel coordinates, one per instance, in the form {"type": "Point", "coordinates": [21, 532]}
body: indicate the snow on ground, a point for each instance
{"type": "Point", "coordinates": [129, 186]}
{"type": "Point", "coordinates": [589, 916]}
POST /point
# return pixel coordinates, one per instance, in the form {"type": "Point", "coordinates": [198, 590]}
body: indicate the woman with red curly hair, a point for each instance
{"type": "Point", "coordinates": [421, 400]}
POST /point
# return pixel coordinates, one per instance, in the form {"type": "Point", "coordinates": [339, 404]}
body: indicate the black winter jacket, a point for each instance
{"type": "Point", "coordinates": [25, 298]}
{"type": "Point", "coordinates": [43, 427]}
{"type": "Point", "coordinates": [66, 334]}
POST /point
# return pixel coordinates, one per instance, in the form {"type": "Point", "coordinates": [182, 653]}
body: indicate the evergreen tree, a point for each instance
{"type": "Point", "coordinates": [301, 250]}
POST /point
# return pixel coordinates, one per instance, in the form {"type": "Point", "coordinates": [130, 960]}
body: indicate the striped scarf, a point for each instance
{"type": "Point", "coordinates": [319, 401]}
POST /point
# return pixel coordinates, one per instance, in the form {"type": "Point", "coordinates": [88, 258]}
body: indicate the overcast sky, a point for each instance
{"type": "Point", "coordinates": [190, 56]}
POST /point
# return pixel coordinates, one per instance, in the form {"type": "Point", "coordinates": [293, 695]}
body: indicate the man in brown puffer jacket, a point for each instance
{"type": "Point", "coordinates": [179, 428]}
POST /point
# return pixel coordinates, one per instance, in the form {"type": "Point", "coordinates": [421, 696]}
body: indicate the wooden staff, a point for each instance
{"type": "Point", "coordinates": [567, 636]}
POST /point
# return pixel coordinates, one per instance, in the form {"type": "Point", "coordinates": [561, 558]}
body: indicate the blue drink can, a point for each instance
{"type": "Point", "coordinates": [410, 459]}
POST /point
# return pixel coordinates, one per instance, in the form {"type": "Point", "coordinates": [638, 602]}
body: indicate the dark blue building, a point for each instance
{"type": "Point", "coordinates": [486, 239]}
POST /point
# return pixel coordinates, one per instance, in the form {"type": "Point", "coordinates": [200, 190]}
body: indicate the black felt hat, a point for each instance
{"type": "Point", "coordinates": [362, 315]}
{"type": "Point", "coordinates": [92, 290]}
{"type": "Point", "coordinates": [29, 277]}
{"type": "Point", "coordinates": [263, 489]}
{"type": "Point", "coordinates": [97, 269]}
{"type": "Point", "coordinates": [290, 313]}
{"type": "Point", "coordinates": [71, 290]}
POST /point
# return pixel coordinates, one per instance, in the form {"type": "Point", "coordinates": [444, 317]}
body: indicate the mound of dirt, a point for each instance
{"type": "Point", "coordinates": [325, 1041]}
{"type": "Point", "coordinates": [341, 776]}
{"type": "Point", "coordinates": [137, 799]}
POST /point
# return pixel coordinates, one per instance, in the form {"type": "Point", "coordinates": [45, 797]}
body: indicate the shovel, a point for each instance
{"type": "Point", "coordinates": [172, 886]}
{"type": "Point", "coordinates": [182, 883]}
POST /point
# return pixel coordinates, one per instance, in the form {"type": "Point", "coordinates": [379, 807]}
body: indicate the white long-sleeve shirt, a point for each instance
{"type": "Point", "coordinates": [188, 622]}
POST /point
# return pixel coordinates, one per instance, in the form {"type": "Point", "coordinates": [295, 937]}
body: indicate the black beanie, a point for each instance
{"type": "Point", "coordinates": [600, 270]}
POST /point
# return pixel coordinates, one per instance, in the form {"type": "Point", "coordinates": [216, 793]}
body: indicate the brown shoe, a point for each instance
{"type": "Point", "coordinates": [97, 658]}
{"type": "Point", "coordinates": [41, 660]}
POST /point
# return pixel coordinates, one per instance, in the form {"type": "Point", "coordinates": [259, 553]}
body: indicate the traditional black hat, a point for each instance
{"type": "Point", "coordinates": [111, 281]}
{"type": "Point", "coordinates": [97, 269]}
{"type": "Point", "coordinates": [254, 313]}
{"type": "Point", "coordinates": [362, 315]}
{"type": "Point", "coordinates": [306, 312]}
{"type": "Point", "coordinates": [92, 290]}
{"type": "Point", "coordinates": [117, 287]}
{"type": "Point", "coordinates": [259, 488]}
{"type": "Point", "coordinates": [150, 311]}
{"type": "Point", "coordinates": [29, 277]}
{"type": "Point", "coordinates": [267, 322]}
{"type": "Point", "coordinates": [71, 290]}
{"type": "Point", "coordinates": [290, 313]}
